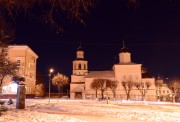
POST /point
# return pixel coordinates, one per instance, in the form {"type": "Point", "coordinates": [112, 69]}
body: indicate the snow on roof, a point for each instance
{"type": "Point", "coordinates": [128, 63]}
{"type": "Point", "coordinates": [100, 74]}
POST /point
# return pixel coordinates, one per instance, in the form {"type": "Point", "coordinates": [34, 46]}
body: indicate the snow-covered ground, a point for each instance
{"type": "Point", "coordinates": [40, 110]}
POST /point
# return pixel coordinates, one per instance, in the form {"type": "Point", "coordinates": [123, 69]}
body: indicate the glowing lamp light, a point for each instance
{"type": "Point", "coordinates": [13, 87]}
{"type": "Point", "coordinates": [51, 70]}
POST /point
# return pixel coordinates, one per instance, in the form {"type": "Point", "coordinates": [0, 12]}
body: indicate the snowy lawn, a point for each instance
{"type": "Point", "coordinates": [39, 110]}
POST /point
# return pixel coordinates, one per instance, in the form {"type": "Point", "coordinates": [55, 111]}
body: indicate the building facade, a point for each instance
{"type": "Point", "coordinates": [125, 70]}
{"type": "Point", "coordinates": [163, 93]}
{"type": "Point", "coordinates": [27, 61]}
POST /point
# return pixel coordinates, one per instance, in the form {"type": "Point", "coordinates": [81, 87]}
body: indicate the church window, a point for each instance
{"type": "Point", "coordinates": [124, 77]}
{"type": "Point", "coordinates": [79, 66]}
{"type": "Point", "coordinates": [33, 60]}
{"type": "Point", "coordinates": [130, 77]}
{"type": "Point", "coordinates": [84, 66]}
{"type": "Point", "coordinates": [163, 91]}
{"type": "Point", "coordinates": [136, 77]}
{"type": "Point", "coordinates": [30, 75]}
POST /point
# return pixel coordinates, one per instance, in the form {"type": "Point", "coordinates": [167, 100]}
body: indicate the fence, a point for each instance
{"type": "Point", "coordinates": [122, 97]}
{"type": "Point", "coordinates": [56, 95]}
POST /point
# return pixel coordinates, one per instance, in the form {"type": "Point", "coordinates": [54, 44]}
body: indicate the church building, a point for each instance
{"type": "Point", "coordinates": [81, 78]}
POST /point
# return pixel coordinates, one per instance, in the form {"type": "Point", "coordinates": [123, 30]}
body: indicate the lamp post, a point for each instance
{"type": "Point", "coordinates": [50, 77]}
{"type": "Point", "coordinates": [144, 91]}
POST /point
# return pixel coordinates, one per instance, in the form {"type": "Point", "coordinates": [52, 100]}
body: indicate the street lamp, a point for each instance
{"type": "Point", "coordinates": [50, 78]}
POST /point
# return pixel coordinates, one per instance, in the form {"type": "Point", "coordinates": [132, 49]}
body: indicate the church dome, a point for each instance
{"type": "Point", "coordinates": [79, 48]}
{"type": "Point", "coordinates": [146, 75]}
{"type": "Point", "coordinates": [124, 50]}
{"type": "Point", "coordinates": [159, 80]}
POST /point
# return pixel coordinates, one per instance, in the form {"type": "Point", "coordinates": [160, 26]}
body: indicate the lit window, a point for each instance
{"type": "Point", "coordinates": [130, 77]}
{"type": "Point", "coordinates": [163, 91]}
{"type": "Point", "coordinates": [30, 75]}
{"type": "Point", "coordinates": [124, 77]}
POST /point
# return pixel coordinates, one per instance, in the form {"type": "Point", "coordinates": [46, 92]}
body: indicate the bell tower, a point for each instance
{"type": "Point", "coordinates": [79, 70]}
{"type": "Point", "coordinates": [80, 65]}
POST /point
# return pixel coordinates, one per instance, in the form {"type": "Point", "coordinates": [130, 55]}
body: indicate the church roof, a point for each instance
{"type": "Point", "coordinates": [80, 59]}
{"type": "Point", "coordinates": [127, 63]}
{"type": "Point", "coordinates": [100, 74]}
{"type": "Point", "coordinates": [80, 48]}
{"type": "Point", "coordinates": [146, 75]}
{"type": "Point", "coordinates": [124, 50]}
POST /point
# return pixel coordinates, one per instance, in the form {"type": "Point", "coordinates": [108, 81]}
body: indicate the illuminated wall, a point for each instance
{"type": "Point", "coordinates": [26, 58]}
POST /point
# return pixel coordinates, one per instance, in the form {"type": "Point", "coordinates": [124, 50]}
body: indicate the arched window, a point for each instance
{"type": "Point", "coordinates": [79, 66]}
{"type": "Point", "coordinates": [84, 66]}
{"type": "Point", "coordinates": [130, 77]}
{"type": "Point", "coordinates": [124, 77]}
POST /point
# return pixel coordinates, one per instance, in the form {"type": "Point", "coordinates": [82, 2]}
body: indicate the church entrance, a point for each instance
{"type": "Point", "coordinates": [78, 95]}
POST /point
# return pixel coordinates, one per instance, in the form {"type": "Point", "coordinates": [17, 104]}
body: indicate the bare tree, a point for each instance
{"type": "Point", "coordinates": [40, 79]}
{"type": "Point", "coordinates": [95, 86]}
{"type": "Point", "coordinates": [174, 85]}
{"type": "Point", "coordinates": [40, 86]}
{"type": "Point", "coordinates": [49, 11]}
{"type": "Point", "coordinates": [143, 87]}
{"type": "Point", "coordinates": [40, 90]}
{"type": "Point", "coordinates": [101, 83]}
{"type": "Point", "coordinates": [112, 84]}
{"type": "Point", "coordinates": [59, 80]}
{"type": "Point", "coordinates": [18, 79]}
{"type": "Point", "coordinates": [158, 87]}
{"type": "Point", "coordinates": [127, 85]}
{"type": "Point", "coordinates": [7, 67]}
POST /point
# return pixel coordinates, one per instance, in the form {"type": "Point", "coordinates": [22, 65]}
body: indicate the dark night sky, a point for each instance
{"type": "Point", "coordinates": [151, 32]}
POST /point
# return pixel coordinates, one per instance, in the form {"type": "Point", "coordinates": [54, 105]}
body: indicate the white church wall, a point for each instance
{"type": "Point", "coordinates": [76, 87]}
{"type": "Point", "coordinates": [79, 72]}
{"type": "Point", "coordinates": [127, 72]}
{"type": "Point", "coordinates": [75, 79]}
{"type": "Point", "coordinates": [88, 82]}
{"type": "Point", "coordinates": [77, 62]}
{"type": "Point", "coordinates": [152, 88]}
{"type": "Point", "coordinates": [125, 57]}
